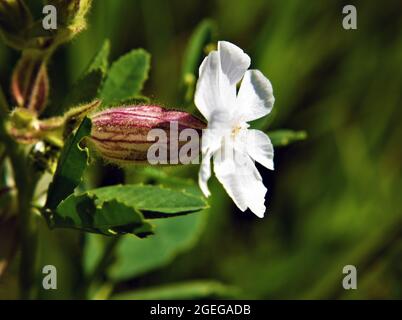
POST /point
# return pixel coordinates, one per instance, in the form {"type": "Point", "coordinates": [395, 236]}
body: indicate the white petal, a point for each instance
{"type": "Point", "coordinates": [243, 183]}
{"type": "Point", "coordinates": [205, 173]}
{"type": "Point", "coordinates": [210, 144]}
{"type": "Point", "coordinates": [260, 148]}
{"type": "Point", "coordinates": [218, 75]}
{"type": "Point", "coordinates": [255, 98]}
{"type": "Point", "coordinates": [207, 95]}
{"type": "Point", "coordinates": [234, 62]}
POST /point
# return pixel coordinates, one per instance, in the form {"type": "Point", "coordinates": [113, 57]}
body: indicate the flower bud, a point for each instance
{"type": "Point", "coordinates": [132, 134]}
{"type": "Point", "coordinates": [30, 83]}
{"type": "Point", "coordinates": [24, 126]}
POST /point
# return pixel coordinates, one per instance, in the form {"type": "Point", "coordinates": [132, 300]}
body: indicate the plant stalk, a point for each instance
{"type": "Point", "coordinates": [102, 265]}
{"type": "Point", "coordinates": [25, 181]}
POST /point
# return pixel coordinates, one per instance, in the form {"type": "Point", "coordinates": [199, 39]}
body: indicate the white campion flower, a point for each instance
{"type": "Point", "coordinates": [227, 138]}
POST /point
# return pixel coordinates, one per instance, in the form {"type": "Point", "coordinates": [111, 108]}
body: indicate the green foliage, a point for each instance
{"type": "Point", "coordinates": [153, 201]}
{"type": "Point", "coordinates": [334, 199]}
{"type": "Point", "coordinates": [123, 209]}
{"type": "Point", "coordinates": [71, 165]}
{"type": "Point", "coordinates": [183, 291]}
{"type": "Point", "coordinates": [203, 36]}
{"type": "Point", "coordinates": [109, 217]}
{"type": "Point", "coordinates": [126, 77]}
{"type": "Point", "coordinates": [86, 88]}
{"type": "Point", "coordinates": [173, 236]}
{"type": "Point", "coordinates": [101, 59]}
{"type": "Point", "coordinates": [282, 138]}
{"type": "Point", "coordinates": [89, 84]}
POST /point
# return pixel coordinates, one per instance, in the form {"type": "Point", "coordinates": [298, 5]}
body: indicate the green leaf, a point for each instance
{"type": "Point", "coordinates": [183, 291]}
{"type": "Point", "coordinates": [281, 138]}
{"type": "Point", "coordinates": [203, 35]}
{"type": "Point", "coordinates": [121, 209]}
{"type": "Point", "coordinates": [126, 77]}
{"type": "Point", "coordinates": [87, 212]}
{"type": "Point", "coordinates": [152, 201]}
{"type": "Point", "coordinates": [175, 178]}
{"type": "Point", "coordinates": [71, 165]}
{"type": "Point", "coordinates": [101, 59]}
{"type": "Point", "coordinates": [173, 236]}
{"type": "Point", "coordinates": [89, 84]}
{"type": "Point", "coordinates": [85, 89]}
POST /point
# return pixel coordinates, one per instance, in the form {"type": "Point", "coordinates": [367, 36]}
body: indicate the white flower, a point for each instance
{"type": "Point", "coordinates": [227, 138]}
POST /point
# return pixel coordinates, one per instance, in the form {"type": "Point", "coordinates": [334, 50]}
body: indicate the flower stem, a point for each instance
{"type": "Point", "coordinates": [25, 181]}
{"type": "Point", "coordinates": [102, 264]}
{"type": "Point", "coordinates": [28, 239]}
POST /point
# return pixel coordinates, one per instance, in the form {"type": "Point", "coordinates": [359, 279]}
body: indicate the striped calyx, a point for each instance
{"type": "Point", "coordinates": [30, 83]}
{"type": "Point", "coordinates": [124, 135]}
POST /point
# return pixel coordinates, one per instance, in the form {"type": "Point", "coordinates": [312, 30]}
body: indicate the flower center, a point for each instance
{"type": "Point", "coordinates": [238, 128]}
{"type": "Point", "coordinates": [235, 131]}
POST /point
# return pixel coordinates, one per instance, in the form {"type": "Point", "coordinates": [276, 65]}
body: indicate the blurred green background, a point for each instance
{"type": "Point", "coordinates": [333, 200]}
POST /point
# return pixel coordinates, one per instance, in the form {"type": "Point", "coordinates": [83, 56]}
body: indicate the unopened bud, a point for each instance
{"type": "Point", "coordinates": [26, 128]}
{"type": "Point", "coordinates": [30, 83]}
{"type": "Point", "coordinates": [127, 134]}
